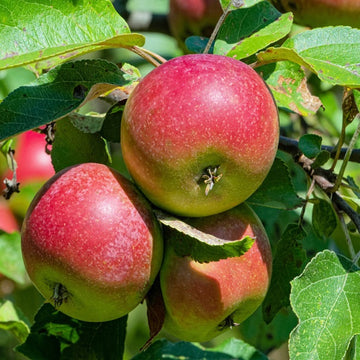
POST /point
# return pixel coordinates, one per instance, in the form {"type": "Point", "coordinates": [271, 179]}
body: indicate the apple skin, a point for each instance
{"type": "Point", "coordinates": [8, 221]}
{"type": "Point", "coordinates": [203, 299]}
{"type": "Point", "coordinates": [196, 112]}
{"type": "Point", "coordinates": [193, 17]}
{"type": "Point", "coordinates": [91, 231]}
{"type": "Point", "coordinates": [318, 13]}
{"type": "Point", "coordinates": [34, 164]}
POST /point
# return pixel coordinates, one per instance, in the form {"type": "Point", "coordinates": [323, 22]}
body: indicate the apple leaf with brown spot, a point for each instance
{"type": "Point", "coordinates": [249, 30]}
{"type": "Point", "coordinates": [59, 92]}
{"type": "Point", "coordinates": [200, 246]}
{"type": "Point", "coordinates": [34, 32]}
{"type": "Point", "coordinates": [289, 261]}
{"type": "Point", "coordinates": [332, 53]}
{"type": "Point", "coordinates": [326, 299]}
{"type": "Point", "coordinates": [58, 336]}
{"type": "Point", "coordinates": [287, 82]}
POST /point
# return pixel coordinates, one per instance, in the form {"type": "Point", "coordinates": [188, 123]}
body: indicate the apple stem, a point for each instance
{"type": "Point", "coordinates": [60, 295]}
{"type": "Point", "coordinates": [211, 178]}
{"type": "Point", "coordinates": [147, 55]}
{"type": "Point", "coordinates": [236, 3]}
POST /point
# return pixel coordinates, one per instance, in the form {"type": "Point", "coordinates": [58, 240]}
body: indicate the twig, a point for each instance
{"type": "Point", "coordinates": [347, 155]}
{"type": "Point", "coordinates": [346, 232]}
{"type": "Point", "coordinates": [219, 23]}
{"type": "Point", "coordinates": [348, 210]}
{"type": "Point", "coordinates": [144, 55]}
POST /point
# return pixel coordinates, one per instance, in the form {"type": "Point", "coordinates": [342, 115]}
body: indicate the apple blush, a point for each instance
{"type": "Point", "coordinates": [199, 134]}
{"type": "Point", "coordinates": [91, 244]}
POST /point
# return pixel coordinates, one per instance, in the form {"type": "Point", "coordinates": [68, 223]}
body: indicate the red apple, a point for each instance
{"type": "Point", "coordinates": [34, 164]}
{"type": "Point", "coordinates": [91, 244]}
{"type": "Point", "coordinates": [8, 221]}
{"type": "Point", "coordinates": [199, 134]}
{"type": "Point", "coordinates": [316, 13]}
{"type": "Point", "coordinates": [204, 299]}
{"type": "Point", "coordinates": [193, 17]}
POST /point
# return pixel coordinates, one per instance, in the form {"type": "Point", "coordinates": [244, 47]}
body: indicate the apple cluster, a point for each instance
{"type": "Point", "coordinates": [199, 134]}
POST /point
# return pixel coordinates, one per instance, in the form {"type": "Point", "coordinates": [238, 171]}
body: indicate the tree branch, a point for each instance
{"type": "Point", "coordinates": [348, 210]}
{"type": "Point", "coordinates": [291, 146]}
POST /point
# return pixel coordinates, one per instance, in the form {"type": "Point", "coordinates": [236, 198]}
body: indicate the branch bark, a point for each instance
{"type": "Point", "coordinates": [291, 146]}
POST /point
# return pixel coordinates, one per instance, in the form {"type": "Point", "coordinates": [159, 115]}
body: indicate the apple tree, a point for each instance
{"type": "Point", "coordinates": [273, 274]}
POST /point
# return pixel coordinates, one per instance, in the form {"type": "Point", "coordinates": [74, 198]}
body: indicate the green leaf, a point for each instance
{"type": "Point", "coordinates": [71, 147]}
{"type": "Point", "coordinates": [200, 246]}
{"type": "Point", "coordinates": [45, 33]}
{"type": "Point", "coordinates": [59, 92]}
{"type": "Point", "coordinates": [197, 44]}
{"type": "Point", "coordinates": [326, 299]}
{"type": "Point", "coordinates": [235, 4]}
{"type": "Point", "coordinates": [240, 350]}
{"type": "Point", "coordinates": [88, 124]}
{"type": "Point", "coordinates": [12, 319]}
{"type": "Point", "coordinates": [324, 219]}
{"type": "Point", "coordinates": [55, 335]}
{"type": "Point", "coordinates": [11, 262]}
{"type": "Point", "coordinates": [277, 190]}
{"type": "Point", "coordinates": [332, 53]}
{"type": "Point", "coordinates": [112, 123]}
{"type": "Point", "coordinates": [246, 31]}
{"type": "Point", "coordinates": [266, 337]}
{"type": "Point", "coordinates": [310, 145]}
{"type": "Point", "coordinates": [321, 159]}
{"type": "Point", "coordinates": [288, 83]}
{"type": "Point", "coordinates": [289, 261]}
{"type": "Point", "coordinates": [231, 349]}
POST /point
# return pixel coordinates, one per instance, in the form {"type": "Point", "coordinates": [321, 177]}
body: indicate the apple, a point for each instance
{"type": "Point", "coordinates": [193, 17]}
{"type": "Point", "coordinates": [204, 299]}
{"type": "Point", "coordinates": [8, 221]}
{"type": "Point", "coordinates": [33, 163]}
{"type": "Point", "coordinates": [199, 134]}
{"type": "Point", "coordinates": [317, 13]}
{"type": "Point", "coordinates": [91, 244]}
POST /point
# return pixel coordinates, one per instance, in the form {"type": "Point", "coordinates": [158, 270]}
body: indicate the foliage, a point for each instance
{"type": "Point", "coordinates": [309, 203]}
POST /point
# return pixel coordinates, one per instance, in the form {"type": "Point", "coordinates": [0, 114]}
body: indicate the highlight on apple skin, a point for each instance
{"type": "Point", "coordinates": [91, 244]}
{"type": "Point", "coordinates": [202, 300]}
{"type": "Point", "coordinates": [199, 134]}
{"type": "Point", "coordinates": [319, 13]}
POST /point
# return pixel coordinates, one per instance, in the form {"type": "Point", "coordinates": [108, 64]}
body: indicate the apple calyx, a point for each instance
{"type": "Point", "coordinates": [211, 178]}
{"type": "Point", "coordinates": [60, 295]}
{"type": "Point", "coordinates": [227, 323]}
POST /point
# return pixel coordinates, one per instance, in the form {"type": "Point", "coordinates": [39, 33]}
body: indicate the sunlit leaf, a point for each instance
{"type": "Point", "coordinates": [45, 33]}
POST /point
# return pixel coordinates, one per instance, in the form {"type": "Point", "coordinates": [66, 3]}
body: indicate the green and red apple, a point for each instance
{"type": "Point", "coordinates": [199, 134]}
{"type": "Point", "coordinates": [193, 17]}
{"type": "Point", "coordinates": [204, 299]}
{"type": "Point", "coordinates": [91, 244]}
{"type": "Point", "coordinates": [317, 13]}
